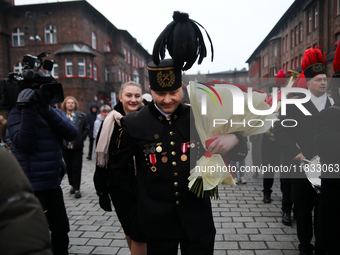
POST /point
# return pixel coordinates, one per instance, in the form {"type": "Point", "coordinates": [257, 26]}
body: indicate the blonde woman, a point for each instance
{"type": "Point", "coordinates": [114, 185]}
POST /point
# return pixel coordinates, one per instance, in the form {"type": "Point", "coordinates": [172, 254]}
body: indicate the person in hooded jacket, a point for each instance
{"type": "Point", "coordinates": [91, 118]}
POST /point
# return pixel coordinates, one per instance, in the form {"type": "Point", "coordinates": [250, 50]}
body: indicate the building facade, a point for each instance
{"type": "Point", "coordinates": [306, 24]}
{"type": "Point", "coordinates": [92, 57]}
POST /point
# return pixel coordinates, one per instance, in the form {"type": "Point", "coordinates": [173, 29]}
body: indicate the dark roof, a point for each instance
{"type": "Point", "coordinates": [73, 48]}
{"type": "Point", "coordinates": [276, 29]}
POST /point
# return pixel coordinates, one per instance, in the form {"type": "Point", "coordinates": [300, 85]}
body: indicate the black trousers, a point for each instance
{"type": "Point", "coordinates": [91, 140]}
{"type": "Point", "coordinates": [270, 157]}
{"type": "Point", "coordinates": [53, 204]}
{"type": "Point", "coordinates": [305, 225]}
{"type": "Point", "coordinates": [203, 245]}
{"type": "Point", "coordinates": [329, 215]}
{"type": "Point", "coordinates": [287, 203]}
{"type": "Point", "coordinates": [74, 163]}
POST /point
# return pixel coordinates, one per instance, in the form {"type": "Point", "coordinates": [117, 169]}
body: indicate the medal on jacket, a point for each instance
{"type": "Point", "coordinates": [192, 144]}
{"type": "Point", "coordinates": [153, 160]}
{"type": "Point", "coordinates": [184, 148]}
{"type": "Point", "coordinates": [146, 150]}
{"type": "Point", "coordinates": [152, 148]}
{"type": "Point", "coordinates": [164, 158]}
{"type": "Point", "coordinates": [159, 148]}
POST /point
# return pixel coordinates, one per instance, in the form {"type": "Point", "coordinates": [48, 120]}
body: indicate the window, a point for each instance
{"type": "Point", "coordinates": [108, 47]}
{"type": "Point", "coordinates": [128, 57]}
{"type": "Point", "coordinates": [125, 54]}
{"type": "Point", "coordinates": [81, 67]}
{"type": "Point", "coordinates": [265, 61]}
{"type": "Point", "coordinates": [50, 34]}
{"type": "Point", "coordinates": [300, 59]}
{"type": "Point", "coordinates": [95, 72]}
{"type": "Point", "coordinates": [89, 68]}
{"type": "Point", "coordinates": [107, 74]}
{"type": "Point", "coordinates": [18, 37]}
{"type": "Point", "coordinates": [286, 42]}
{"type": "Point", "coordinates": [17, 67]}
{"type": "Point", "coordinates": [337, 37]}
{"type": "Point", "coordinates": [119, 75]}
{"type": "Point", "coordinates": [315, 24]}
{"type": "Point", "coordinates": [94, 40]}
{"type": "Point", "coordinates": [309, 22]}
{"type": "Point", "coordinates": [283, 45]}
{"type": "Point", "coordinates": [300, 32]}
{"type": "Point", "coordinates": [275, 49]}
{"type": "Point", "coordinates": [292, 39]}
{"type": "Point", "coordinates": [296, 36]}
{"type": "Point", "coordinates": [54, 71]}
{"type": "Point", "coordinates": [69, 71]}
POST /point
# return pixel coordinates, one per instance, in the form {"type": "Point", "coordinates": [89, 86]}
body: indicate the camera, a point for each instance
{"type": "Point", "coordinates": [46, 87]}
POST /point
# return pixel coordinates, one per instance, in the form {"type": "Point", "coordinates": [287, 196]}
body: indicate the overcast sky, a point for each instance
{"type": "Point", "coordinates": [236, 27]}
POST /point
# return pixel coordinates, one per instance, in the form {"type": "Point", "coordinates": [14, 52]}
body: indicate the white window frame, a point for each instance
{"type": "Point", "coordinates": [68, 63]}
{"type": "Point", "coordinates": [81, 66]}
{"type": "Point", "coordinates": [17, 68]}
{"type": "Point", "coordinates": [310, 22]}
{"type": "Point", "coordinates": [94, 40]}
{"type": "Point", "coordinates": [54, 71]}
{"type": "Point", "coordinates": [50, 37]}
{"type": "Point", "coordinates": [95, 72]}
{"type": "Point", "coordinates": [89, 68]}
{"type": "Point", "coordinates": [316, 14]}
{"type": "Point", "coordinates": [19, 34]}
{"type": "Point", "coordinates": [107, 73]}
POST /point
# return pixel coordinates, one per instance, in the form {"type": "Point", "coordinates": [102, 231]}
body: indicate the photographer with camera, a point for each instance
{"type": "Point", "coordinates": [37, 131]}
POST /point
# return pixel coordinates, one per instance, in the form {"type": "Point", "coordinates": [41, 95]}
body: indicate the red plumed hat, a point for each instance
{"type": "Point", "coordinates": [336, 61]}
{"type": "Point", "coordinates": [281, 77]}
{"type": "Point", "coordinates": [313, 63]}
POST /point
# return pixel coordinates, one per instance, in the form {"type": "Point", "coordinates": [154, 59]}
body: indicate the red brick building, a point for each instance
{"type": "Point", "coordinates": [306, 24]}
{"type": "Point", "coordinates": [93, 58]}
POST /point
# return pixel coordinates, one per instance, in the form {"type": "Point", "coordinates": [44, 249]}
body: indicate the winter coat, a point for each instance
{"type": "Point", "coordinates": [80, 121]}
{"type": "Point", "coordinates": [91, 118]}
{"type": "Point", "coordinates": [37, 144]}
{"type": "Point", "coordinates": [23, 225]}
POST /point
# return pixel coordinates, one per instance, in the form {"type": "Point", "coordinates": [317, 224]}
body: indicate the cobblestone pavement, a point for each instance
{"type": "Point", "coordinates": [244, 224]}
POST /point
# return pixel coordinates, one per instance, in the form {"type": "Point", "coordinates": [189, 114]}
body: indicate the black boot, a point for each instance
{"type": "Point", "coordinates": [286, 219]}
{"type": "Point", "coordinates": [266, 198]}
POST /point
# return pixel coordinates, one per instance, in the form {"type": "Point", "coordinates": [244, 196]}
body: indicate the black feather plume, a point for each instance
{"type": "Point", "coordinates": [183, 40]}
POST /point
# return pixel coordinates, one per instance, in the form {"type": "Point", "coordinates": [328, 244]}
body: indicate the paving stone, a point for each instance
{"type": "Point", "coordinates": [105, 250]}
{"type": "Point", "coordinates": [244, 224]}
{"type": "Point", "coordinates": [253, 245]}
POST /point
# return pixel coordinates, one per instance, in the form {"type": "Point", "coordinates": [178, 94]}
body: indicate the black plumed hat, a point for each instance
{"type": "Point", "coordinates": [184, 42]}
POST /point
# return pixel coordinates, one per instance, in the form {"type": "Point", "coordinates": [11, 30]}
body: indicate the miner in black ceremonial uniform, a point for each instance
{"type": "Point", "coordinates": [297, 145]}
{"type": "Point", "coordinates": [165, 151]}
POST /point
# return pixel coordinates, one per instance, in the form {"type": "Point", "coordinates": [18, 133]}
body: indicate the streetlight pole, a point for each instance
{"type": "Point", "coordinates": [34, 17]}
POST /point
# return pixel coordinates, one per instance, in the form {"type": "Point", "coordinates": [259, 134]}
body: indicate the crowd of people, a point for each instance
{"type": "Point", "coordinates": [144, 151]}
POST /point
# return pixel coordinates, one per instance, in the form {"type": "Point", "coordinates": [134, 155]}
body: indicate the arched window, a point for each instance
{"type": "Point", "coordinates": [18, 37]}
{"type": "Point", "coordinates": [50, 34]}
{"type": "Point", "coordinates": [108, 46]}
